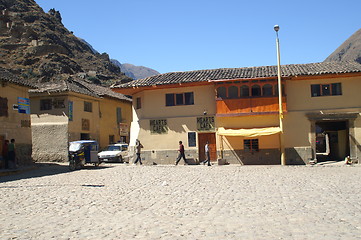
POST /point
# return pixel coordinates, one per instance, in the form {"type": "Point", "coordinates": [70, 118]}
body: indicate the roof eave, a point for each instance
{"type": "Point", "coordinates": [136, 89]}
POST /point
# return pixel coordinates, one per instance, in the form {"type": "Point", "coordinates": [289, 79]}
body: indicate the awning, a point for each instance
{"type": "Point", "coordinates": [253, 132]}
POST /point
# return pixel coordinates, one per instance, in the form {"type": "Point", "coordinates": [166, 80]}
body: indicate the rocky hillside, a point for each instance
{"type": "Point", "coordinates": [37, 46]}
{"type": "Point", "coordinates": [130, 70]}
{"type": "Point", "coordinates": [135, 72]}
{"type": "Point", "coordinates": [349, 50]}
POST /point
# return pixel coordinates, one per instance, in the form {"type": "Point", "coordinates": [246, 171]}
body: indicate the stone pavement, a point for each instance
{"type": "Point", "coordinates": [119, 201]}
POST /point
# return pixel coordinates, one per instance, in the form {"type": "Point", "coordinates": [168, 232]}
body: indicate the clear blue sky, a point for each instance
{"type": "Point", "coordinates": [182, 35]}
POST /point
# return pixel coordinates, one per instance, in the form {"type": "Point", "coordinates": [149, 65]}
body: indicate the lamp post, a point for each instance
{"type": "Point", "coordinates": [280, 115]}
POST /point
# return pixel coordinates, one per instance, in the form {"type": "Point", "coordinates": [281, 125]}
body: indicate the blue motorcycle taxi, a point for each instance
{"type": "Point", "coordinates": [83, 152]}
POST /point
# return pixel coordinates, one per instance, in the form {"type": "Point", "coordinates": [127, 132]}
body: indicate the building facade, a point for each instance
{"type": "Point", "coordinates": [15, 114]}
{"type": "Point", "coordinates": [236, 110]}
{"type": "Point", "coordinates": [72, 110]}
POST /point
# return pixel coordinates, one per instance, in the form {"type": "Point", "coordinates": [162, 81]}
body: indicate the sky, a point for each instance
{"type": "Point", "coordinates": [185, 35]}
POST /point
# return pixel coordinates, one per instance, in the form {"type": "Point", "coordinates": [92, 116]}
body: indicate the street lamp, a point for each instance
{"type": "Point", "coordinates": [280, 115]}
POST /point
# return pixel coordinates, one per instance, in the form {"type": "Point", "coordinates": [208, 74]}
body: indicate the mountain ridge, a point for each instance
{"type": "Point", "coordinates": [349, 50]}
{"type": "Point", "coordinates": [35, 45]}
{"type": "Point", "coordinates": [133, 71]}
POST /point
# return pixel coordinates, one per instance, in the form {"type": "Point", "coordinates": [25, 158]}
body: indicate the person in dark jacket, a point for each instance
{"type": "Point", "coordinates": [138, 147]}
{"type": "Point", "coordinates": [5, 154]}
{"type": "Point", "coordinates": [181, 154]}
{"type": "Point", "coordinates": [11, 154]}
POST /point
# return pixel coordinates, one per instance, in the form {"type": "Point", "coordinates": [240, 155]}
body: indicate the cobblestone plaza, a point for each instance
{"type": "Point", "coordinates": [119, 201]}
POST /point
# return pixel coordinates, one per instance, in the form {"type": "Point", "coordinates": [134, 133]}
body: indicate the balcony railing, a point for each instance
{"type": "Point", "coordinates": [249, 106]}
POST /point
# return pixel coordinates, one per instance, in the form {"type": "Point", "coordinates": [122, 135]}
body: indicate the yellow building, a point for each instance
{"type": "Point", "coordinates": [15, 114]}
{"type": "Point", "coordinates": [75, 109]}
{"type": "Point", "coordinates": [236, 111]}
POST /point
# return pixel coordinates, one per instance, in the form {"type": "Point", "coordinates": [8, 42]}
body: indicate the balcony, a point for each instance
{"type": "Point", "coordinates": [249, 106]}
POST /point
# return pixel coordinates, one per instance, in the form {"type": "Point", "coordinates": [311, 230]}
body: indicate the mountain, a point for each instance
{"type": "Point", "coordinates": [37, 46]}
{"type": "Point", "coordinates": [350, 50]}
{"type": "Point", "coordinates": [135, 72]}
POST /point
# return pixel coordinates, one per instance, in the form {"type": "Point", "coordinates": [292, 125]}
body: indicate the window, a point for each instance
{"type": "Point", "coordinates": [3, 107]}
{"type": "Point", "coordinates": [233, 92]}
{"type": "Point", "coordinates": [111, 139]}
{"type": "Point", "coordinates": [172, 99]}
{"type": "Point", "coordinates": [169, 99]}
{"type": "Point", "coordinates": [88, 107]}
{"type": "Point", "coordinates": [189, 98]}
{"type": "Point", "coordinates": [267, 90]}
{"type": "Point", "coordinates": [138, 103]}
{"type": "Point", "coordinates": [192, 139]}
{"type": "Point", "coordinates": [244, 91]}
{"type": "Point", "coordinates": [315, 90]}
{"type": "Point", "coordinates": [45, 104]}
{"type": "Point", "coordinates": [58, 103]}
{"type": "Point", "coordinates": [326, 89]}
{"type": "Point", "coordinates": [221, 92]}
{"type": "Point", "coordinates": [119, 115]}
{"type": "Point", "coordinates": [179, 99]}
{"type": "Point", "coordinates": [336, 89]}
{"type": "Point", "coordinates": [251, 145]}
{"type": "Point", "coordinates": [256, 90]}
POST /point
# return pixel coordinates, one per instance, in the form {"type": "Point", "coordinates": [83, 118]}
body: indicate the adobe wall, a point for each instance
{"type": "Point", "coordinates": [14, 124]}
{"type": "Point", "coordinates": [50, 142]}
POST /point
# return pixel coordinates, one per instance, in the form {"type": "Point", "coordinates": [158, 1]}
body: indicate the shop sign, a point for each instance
{"type": "Point", "coordinates": [70, 110]}
{"type": "Point", "coordinates": [123, 129]}
{"type": "Point", "coordinates": [158, 126]}
{"type": "Point", "coordinates": [23, 105]}
{"type": "Point", "coordinates": [85, 124]}
{"type": "Point", "coordinates": [205, 123]}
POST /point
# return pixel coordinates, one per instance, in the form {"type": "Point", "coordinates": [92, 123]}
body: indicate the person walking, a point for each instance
{"type": "Point", "coordinates": [5, 154]}
{"type": "Point", "coordinates": [181, 154]}
{"type": "Point", "coordinates": [138, 147]}
{"type": "Point", "coordinates": [11, 154]}
{"type": "Point", "coordinates": [208, 157]}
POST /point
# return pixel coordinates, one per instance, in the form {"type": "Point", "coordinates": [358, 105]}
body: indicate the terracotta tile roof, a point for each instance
{"type": "Point", "coordinates": [103, 91]}
{"type": "Point", "coordinates": [81, 86]}
{"type": "Point", "coordinates": [245, 73]}
{"type": "Point", "coordinates": [7, 76]}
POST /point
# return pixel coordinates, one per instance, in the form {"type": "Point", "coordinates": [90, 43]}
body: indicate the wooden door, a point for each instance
{"type": "Point", "coordinates": [203, 138]}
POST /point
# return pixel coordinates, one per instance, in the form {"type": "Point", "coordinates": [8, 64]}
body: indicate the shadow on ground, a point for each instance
{"type": "Point", "coordinates": [40, 170]}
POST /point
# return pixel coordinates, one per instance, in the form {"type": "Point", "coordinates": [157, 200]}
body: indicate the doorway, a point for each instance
{"type": "Point", "coordinates": [203, 138]}
{"type": "Point", "coordinates": [2, 141]}
{"type": "Point", "coordinates": [84, 136]}
{"type": "Point", "coordinates": [332, 140]}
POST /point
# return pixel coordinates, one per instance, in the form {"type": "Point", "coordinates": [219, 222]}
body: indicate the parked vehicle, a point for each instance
{"type": "Point", "coordinates": [83, 152]}
{"type": "Point", "coordinates": [115, 153]}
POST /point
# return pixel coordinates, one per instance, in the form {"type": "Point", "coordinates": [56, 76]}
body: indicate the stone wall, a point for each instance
{"type": "Point", "coordinates": [294, 156]}
{"type": "Point", "coordinates": [50, 142]}
{"type": "Point", "coordinates": [262, 157]}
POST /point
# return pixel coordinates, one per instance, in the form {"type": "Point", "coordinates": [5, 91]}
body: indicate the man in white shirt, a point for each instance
{"type": "Point", "coordinates": [208, 158]}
